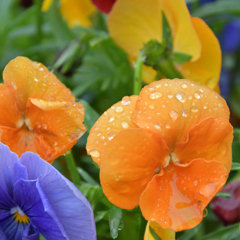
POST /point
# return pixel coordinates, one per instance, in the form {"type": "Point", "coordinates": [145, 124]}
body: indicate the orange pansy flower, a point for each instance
{"type": "Point", "coordinates": [167, 150]}
{"type": "Point", "coordinates": [38, 113]}
{"type": "Point", "coordinates": [133, 23]}
{"type": "Point", "coordinates": [76, 12]}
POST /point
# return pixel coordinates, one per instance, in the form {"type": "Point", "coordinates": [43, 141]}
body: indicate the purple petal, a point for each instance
{"type": "Point", "coordinates": [72, 208]}
{"type": "Point", "coordinates": [10, 168]}
{"type": "Point", "coordinates": [30, 233]}
{"type": "Point", "coordinates": [2, 235]}
{"type": "Point", "coordinates": [26, 196]}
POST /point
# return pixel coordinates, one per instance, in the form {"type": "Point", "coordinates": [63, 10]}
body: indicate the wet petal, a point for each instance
{"type": "Point", "coordinates": [9, 115]}
{"type": "Point", "coordinates": [115, 119]}
{"type": "Point", "coordinates": [177, 197]}
{"type": "Point", "coordinates": [77, 12]}
{"type": "Point", "coordinates": [206, 70]}
{"type": "Point", "coordinates": [211, 139]}
{"type": "Point", "coordinates": [185, 38]}
{"type": "Point", "coordinates": [133, 23]}
{"type": "Point", "coordinates": [172, 107]}
{"type": "Point", "coordinates": [128, 164]}
{"type": "Point", "coordinates": [27, 79]}
{"type": "Point", "coordinates": [164, 234]}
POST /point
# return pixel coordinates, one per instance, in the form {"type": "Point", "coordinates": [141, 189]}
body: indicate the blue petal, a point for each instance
{"type": "Point", "coordinates": [72, 208]}
{"type": "Point", "coordinates": [2, 235]}
{"type": "Point", "coordinates": [26, 195]}
{"type": "Point", "coordinates": [30, 233]}
{"type": "Point", "coordinates": [10, 169]}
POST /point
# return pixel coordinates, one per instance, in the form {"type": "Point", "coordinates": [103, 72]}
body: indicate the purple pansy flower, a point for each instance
{"type": "Point", "coordinates": [35, 198]}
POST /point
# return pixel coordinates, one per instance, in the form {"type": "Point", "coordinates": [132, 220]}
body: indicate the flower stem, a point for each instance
{"type": "Point", "coordinates": [38, 21]}
{"type": "Point", "coordinates": [73, 169]}
{"type": "Point", "coordinates": [137, 82]}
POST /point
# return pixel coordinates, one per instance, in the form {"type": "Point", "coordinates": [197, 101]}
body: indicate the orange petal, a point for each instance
{"type": "Point", "coordinates": [206, 70]}
{"type": "Point", "coordinates": [77, 12]}
{"type": "Point", "coordinates": [133, 23]}
{"type": "Point", "coordinates": [172, 107]}
{"type": "Point", "coordinates": [59, 123]}
{"type": "Point", "coordinates": [185, 38]}
{"type": "Point", "coordinates": [128, 164]}
{"type": "Point", "coordinates": [22, 140]}
{"type": "Point", "coordinates": [164, 234]}
{"type": "Point", "coordinates": [177, 197]}
{"type": "Point", "coordinates": [9, 115]}
{"type": "Point", "coordinates": [26, 79]}
{"type": "Point", "coordinates": [115, 119]}
{"type": "Point", "coordinates": [211, 139]}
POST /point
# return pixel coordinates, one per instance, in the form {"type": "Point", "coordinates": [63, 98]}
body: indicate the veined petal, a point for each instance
{"type": "Point", "coordinates": [27, 79]}
{"type": "Point", "coordinates": [59, 124]}
{"type": "Point", "coordinates": [206, 70]}
{"type": "Point", "coordinates": [77, 12]}
{"type": "Point", "coordinates": [133, 23]}
{"type": "Point", "coordinates": [9, 115]}
{"type": "Point", "coordinates": [211, 139]}
{"type": "Point", "coordinates": [2, 235]}
{"type": "Point", "coordinates": [115, 119]}
{"type": "Point", "coordinates": [185, 38]}
{"type": "Point", "coordinates": [77, 218]}
{"type": "Point", "coordinates": [177, 197]}
{"type": "Point", "coordinates": [164, 234]}
{"type": "Point", "coordinates": [129, 163]}
{"type": "Point", "coordinates": [172, 107]}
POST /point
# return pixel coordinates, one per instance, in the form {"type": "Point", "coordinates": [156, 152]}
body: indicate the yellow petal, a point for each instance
{"type": "Point", "coordinates": [46, 5]}
{"type": "Point", "coordinates": [185, 38]}
{"type": "Point", "coordinates": [164, 234]}
{"type": "Point", "coordinates": [133, 23]}
{"type": "Point", "coordinates": [206, 70]}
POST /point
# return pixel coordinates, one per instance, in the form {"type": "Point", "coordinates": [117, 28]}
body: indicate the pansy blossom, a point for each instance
{"type": "Point", "coordinates": [35, 198]}
{"type": "Point", "coordinates": [134, 23]}
{"type": "Point", "coordinates": [167, 150]}
{"type": "Point", "coordinates": [38, 113]}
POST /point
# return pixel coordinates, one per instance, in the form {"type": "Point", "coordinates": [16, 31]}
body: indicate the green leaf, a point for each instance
{"type": "Point", "coordinates": [154, 234]}
{"type": "Point", "coordinates": [86, 176]}
{"type": "Point", "coordinates": [230, 233]}
{"type": "Point", "coordinates": [223, 194]}
{"type": "Point", "coordinates": [166, 34]}
{"type": "Point", "coordinates": [235, 166]}
{"type": "Point", "coordinates": [100, 215]}
{"type": "Point", "coordinates": [115, 221]}
{"type": "Point", "coordinates": [189, 234]}
{"type": "Point", "coordinates": [91, 116]}
{"type": "Point", "coordinates": [179, 58]}
{"type": "Point", "coordinates": [218, 7]}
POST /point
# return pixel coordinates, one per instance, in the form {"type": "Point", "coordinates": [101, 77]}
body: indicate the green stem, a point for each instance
{"type": "Point", "coordinates": [73, 169]}
{"type": "Point", "coordinates": [38, 21]}
{"type": "Point", "coordinates": [137, 82]}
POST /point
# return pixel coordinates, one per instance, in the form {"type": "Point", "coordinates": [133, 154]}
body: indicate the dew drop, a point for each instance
{"type": "Point", "coordinates": [111, 135]}
{"type": "Point", "coordinates": [190, 97]}
{"type": "Point", "coordinates": [201, 90]}
{"type": "Point", "coordinates": [124, 124]}
{"type": "Point", "coordinates": [165, 84]}
{"type": "Point", "coordinates": [94, 153]}
{"type": "Point", "coordinates": [44, 126]}
{"type": "Point", "coordinates": [204, 107]}
{"type": "Point", "coordinates": [184, 112]}
{"type": "Point", "coordinates": [170, 95]}
{"type": "Point", "coordinates": [220, 104]}
{"type": "Point", "coordinates": [157, 126]}
{"type": "Point", "coordinates": [181, 97]}
{"type": "Point", "coordinates": [154, 95]}
{"type": "Point", "coordinates": [194, 109]}
{"type": "Point", "coordinates": [195, 182]}
{"type": "Point", "coordinates": [99, 134]}
{"type": "Point", "coordinates": [158, 85]}
{"type": "Point", "coordinates": [173, 115]}
{"type": "Point", "coordinates": [205, 212]}
{"type": "Point", "coordinates": [151, 106]}
{"type": "Point", "coordinates": [197, 94]}
{"type": "Point", "coordinates": [111, 118]}
{"type": "Point", "coordinates": [167, 125]}
{"type": "Point", "coordinates": [184, 85]}
{"type": "Point", "coordinates": [35, 79]}
{"type": "Point", "coordinates": [119, 109]}
{"type": "Point", "coordinates": [126, 101]}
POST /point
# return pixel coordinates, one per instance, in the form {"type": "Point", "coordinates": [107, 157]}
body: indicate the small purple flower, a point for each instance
{"type": "Point", "coordinates": [35, 198]}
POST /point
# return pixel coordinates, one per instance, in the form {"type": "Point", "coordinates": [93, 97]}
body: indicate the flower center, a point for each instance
{"type": "Point", "coordinates": [171, 157]}
{"type": "Point", "coordinates": [19, 215]}
{"type": "Point", "coordinates": [24, 122]}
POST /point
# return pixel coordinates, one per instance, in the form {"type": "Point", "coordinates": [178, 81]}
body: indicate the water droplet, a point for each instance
{"type": "Point", "coordinates": [99, 134]}
{"type": "Point", "coordinates": [94, 153]}
{"type": "Point", "coordinates": [190, 97]}
{"type": "Point", "coordinates": [155, 95]}
{"type": "Point", "coordinates": [167, 126]}
{"type": "Point", "coordinates": [204, 107]}
{"type": "Point", "coordinates": [111, 118]}
{"type": "Point", "coordinates": [194, 109]}
{"type": "Point", "coordinates": [158, 85]}
{"type": "Point", "coordinates": [220, 104]}
{"type": "Point", "coordinates": [163, 106]}
{"type": "Point", "coordinates": [111, 135]}
{"type": "Point", "coordinates": [124, 124]}
{"type": "Point", "coordinates": [201, 90]}
{"type": "Point", "coordinates": [44, 126]}
{"type": "Point", "coordinates": [119, 109]}
{"type": "Point", "coordinates": [197, 94]}
{"type": "Point", "coordinates": [195, 182]}
{"type": "Point", "coordinates": [106, 113]}
{"type": "Point", "coordinates": [35, 79]}
{"type": "Point", "coordinates": [184, 112]}
{"type": "Point", "coordinates": [184, 85]}
{"type": "Point", "coordinates": [67, 152]}
{"type": "Point", "coordinates": [181, 97]}
{"type": "Point", "coordinates": [215, 107]}
{"type": "Point", "coordinates": [151, 106]}
{"type": "Point", "coordinates": [173, 115]}
{"type": "Point", "coordinates": [205, 212]}
{"type": "Point", "coordinates": [165, 84]}
{"type": "Point", "coordinates": [126, 101]}
{"type": "Point", "coordinates": [170, 95]}
{"type": "Point", "coordinates": [157, 126]}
